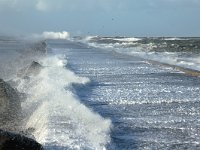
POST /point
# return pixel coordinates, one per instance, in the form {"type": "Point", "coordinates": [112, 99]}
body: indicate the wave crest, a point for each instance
{"type": "Point", "coordinates": [52, 35]}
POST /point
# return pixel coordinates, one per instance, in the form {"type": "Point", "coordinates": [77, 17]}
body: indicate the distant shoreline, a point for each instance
{"type": "Point", "coordinates": [187, 71]}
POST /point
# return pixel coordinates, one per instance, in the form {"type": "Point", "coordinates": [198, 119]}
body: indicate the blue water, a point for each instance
{"type": "Point", "coordinates": [151, 107]}
{"type": "Point", "coordinates": [96, 98]}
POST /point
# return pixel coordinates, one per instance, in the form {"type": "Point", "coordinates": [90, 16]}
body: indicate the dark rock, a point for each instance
{"type": "Point", "coordinates": [28, 133]}
{"type": "Point", "coordinates": [13, 141]}
{"type": "Point", "coordinates": [40, 47]}
{"type": "Point", "coordinates": [10, 104]}
{"type": "Point", "coordinates": [31, 70]}
{"type": "Point", "coordinates": [34, 68]}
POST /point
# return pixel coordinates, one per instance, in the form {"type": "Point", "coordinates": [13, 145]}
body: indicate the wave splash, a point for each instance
{"type": "Point", "coordinates": [52, 35]}
{"type": "Point", "coordinates": [58, 119]}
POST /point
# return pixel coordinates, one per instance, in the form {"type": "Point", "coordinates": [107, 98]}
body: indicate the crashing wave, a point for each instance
{"type": "Point", "coordinates": [52, 35]}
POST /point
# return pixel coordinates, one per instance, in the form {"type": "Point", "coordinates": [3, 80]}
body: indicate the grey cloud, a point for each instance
{"type": "Point", "coordinates": [51, 5]}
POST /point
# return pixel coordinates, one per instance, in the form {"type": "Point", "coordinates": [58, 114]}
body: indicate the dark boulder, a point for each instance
{"type": "Point", "coordinates": [32, 70]}
{"type": "Point", "coordinates": [13, 141]}
{"type": "Point", "coordinates": [10, 104]}
{"type": "Point", "coordinates": [40, 47]}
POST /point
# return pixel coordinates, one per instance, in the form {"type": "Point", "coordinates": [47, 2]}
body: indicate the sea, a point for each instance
{"type": "Point", "coordinates": [108, 93]}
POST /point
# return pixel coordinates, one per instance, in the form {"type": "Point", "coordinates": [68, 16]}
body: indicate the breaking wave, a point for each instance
{"type": "Point", "coordinates": [52, 35]}
{"type": "Point", "coordinates": [183, 52]}
{"type": "Point", "coordinates": [58, 118]}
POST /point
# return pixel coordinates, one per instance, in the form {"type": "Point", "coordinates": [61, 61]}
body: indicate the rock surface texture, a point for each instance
{"type": "Point", "coordinates": [9, 100]}
{"type": "Point", "coordinates": [12, 141]}
{"type": "Point", "coordinates": [31, 70]}
{"type": "Point", "coordinates": [11, 117]}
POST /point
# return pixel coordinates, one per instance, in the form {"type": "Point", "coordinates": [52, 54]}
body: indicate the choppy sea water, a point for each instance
{"type": "Point", "coordinates": [184, 52]}
{"type": "Point", "coordinates": [150, 107]}
{"type": "Point", "coordinates": [104, 98]}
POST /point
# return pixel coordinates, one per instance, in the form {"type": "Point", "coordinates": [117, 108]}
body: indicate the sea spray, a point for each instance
{"type": "Point", "coordinates": [57, 117]}
{"type": "Point", "coordinates": [51, 35]}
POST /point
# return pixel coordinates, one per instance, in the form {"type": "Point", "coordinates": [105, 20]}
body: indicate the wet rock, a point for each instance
{"type": "Point", "coordinates": [40, 47]}
{"type": "Point", "coordinates": [10, 104]}
{"type": "Point", "coordinates": [31, 70]}
{"type": "Point", "coordinates": [13, 141]}
{"type": "Point", "coordinates": [34, 68]}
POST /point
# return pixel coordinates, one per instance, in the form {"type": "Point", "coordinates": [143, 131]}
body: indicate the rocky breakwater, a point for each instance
{"type": "Point", "coordinates": [12, 134]}
{"type": "Point", "coordinates": [31, 70]}
{"type": "Point", "coordinates": [9, 99]}
{"type": "Point", "coordinates": [13, 141]}
{"type": "Point", "coordinates": [39, 47]}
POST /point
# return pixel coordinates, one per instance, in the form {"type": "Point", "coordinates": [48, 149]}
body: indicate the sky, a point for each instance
{"type": "Point", "coordinates": [101, 17]}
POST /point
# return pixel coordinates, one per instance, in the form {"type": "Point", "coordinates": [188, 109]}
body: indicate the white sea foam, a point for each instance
{"type": "Point", "coordinates": [52, 35]}
{"type": "Point", "coordinates": [60, 119]}
{"type": "Point", "coordinates": [127, 39]}
{"type": "Point", "coordinates": [131, 39]}
{"type": "Point", "coordinates": [173, 39]}
{"type": "Point", "coordinates": [88, 38]}
{"type": "Point", "coordinates": [56, 35]}
{"type": "Point", "coordinates": [172, 58]}
{"type": "Point", "coordinates": [145, 51]}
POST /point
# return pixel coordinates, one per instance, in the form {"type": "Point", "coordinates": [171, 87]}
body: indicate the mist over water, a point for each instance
{"type": "Point", "coordinates": [16, 54]}
{"type": "Point", "coordinates": [51, 35]}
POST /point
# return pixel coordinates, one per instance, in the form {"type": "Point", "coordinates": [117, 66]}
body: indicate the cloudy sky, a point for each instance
{"type": "Point", "coordinates": [101, 17]}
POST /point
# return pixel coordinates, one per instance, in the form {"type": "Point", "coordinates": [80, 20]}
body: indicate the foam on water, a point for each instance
{"type": "Point", "coordinates": [127, 39]}
{"type": "Point", "coordinates": [58, 118]}
{"type": "Point", "coordinates": [169, 58]}
{"type": "Point", "coordinates": [130, 46]}
{"type": "Point", "coordinates": [151, 107]}
{"type": "Point", "coordinates": [174, 39]}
